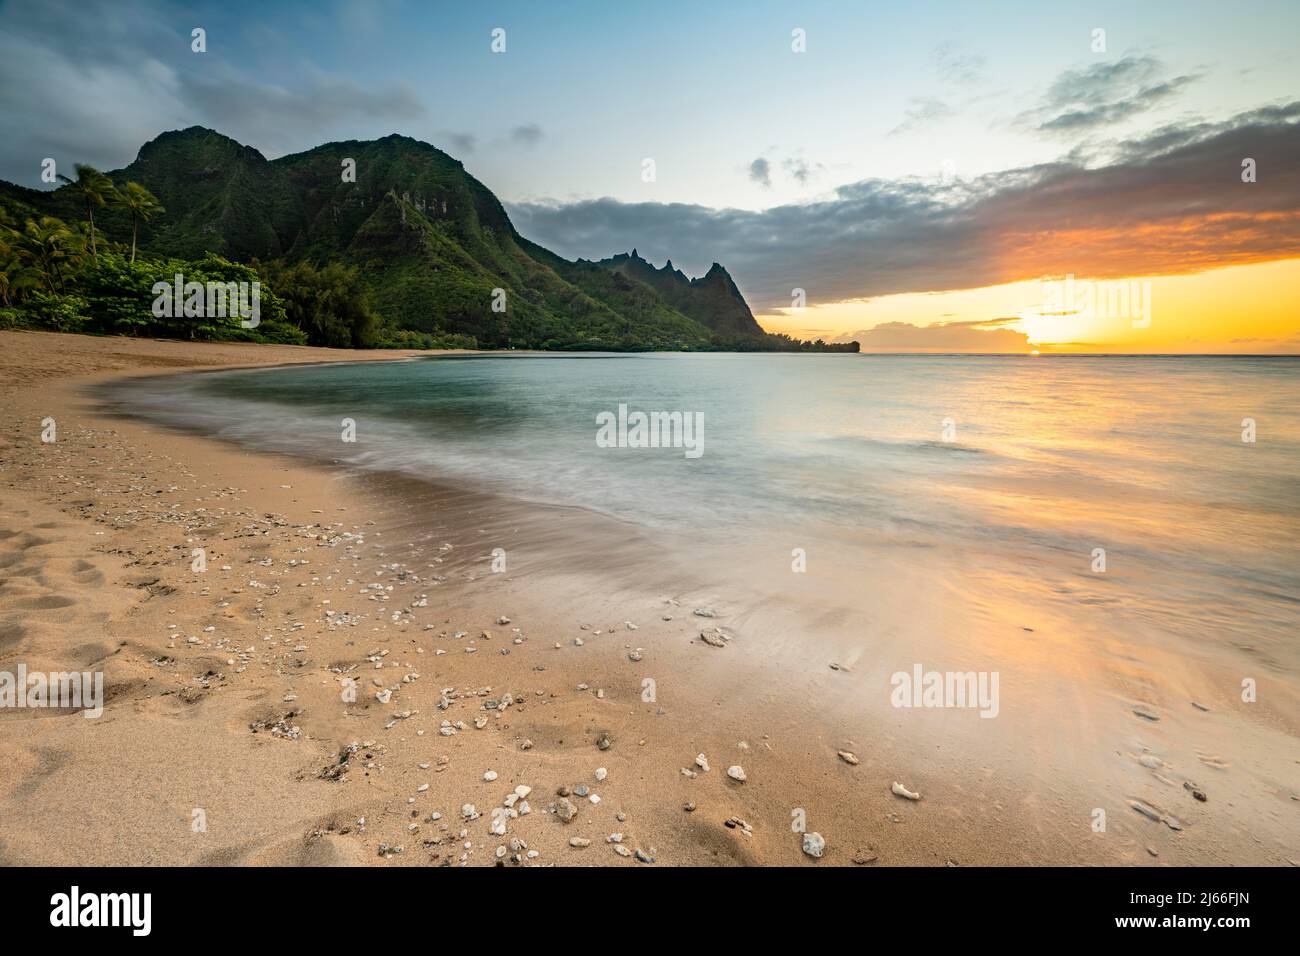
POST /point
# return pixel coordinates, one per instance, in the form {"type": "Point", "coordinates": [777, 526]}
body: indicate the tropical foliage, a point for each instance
{"type": "Point", "coordinates": [328, 304]}
{"type": "Point", "coordinates": [411, 252]}
{"type": "Point", "coordinates": [142, 205]}
{"type": "Point", "coordinates": [95, 189]}
{"type": "Point", "coordinates": [72, 278]}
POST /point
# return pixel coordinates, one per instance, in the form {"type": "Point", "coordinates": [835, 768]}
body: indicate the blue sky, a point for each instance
{"type": "Point", "coordinates": [837, 157]}
{"type": "Point", "coordinates": [884, 90]}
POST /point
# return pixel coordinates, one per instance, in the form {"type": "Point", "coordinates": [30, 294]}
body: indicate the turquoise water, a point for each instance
{"type": "Point", "coordinates": [1043, 456]}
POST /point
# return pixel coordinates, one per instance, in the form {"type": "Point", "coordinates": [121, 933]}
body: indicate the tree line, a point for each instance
{"type": "Point", "coordinates": [71, 277]}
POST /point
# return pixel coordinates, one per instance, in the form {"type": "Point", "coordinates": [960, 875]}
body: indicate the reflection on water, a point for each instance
{"type": "Point", "coordinates": [1049, 458]}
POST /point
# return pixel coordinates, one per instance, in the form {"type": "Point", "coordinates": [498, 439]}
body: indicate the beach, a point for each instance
{"type": "Point", "coordinates": [398, 667]}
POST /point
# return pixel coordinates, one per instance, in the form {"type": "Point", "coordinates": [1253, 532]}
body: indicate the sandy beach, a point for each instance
{"type": "Point", "coordinates": [352, 681]}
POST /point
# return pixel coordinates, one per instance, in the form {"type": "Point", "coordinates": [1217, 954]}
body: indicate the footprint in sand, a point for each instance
{"type": "Point", "coordinates": [88, 577]}
{"type": "Point", "coordinates": [49, 602]}
{"type": "Point", "coordinates": [11, 633]}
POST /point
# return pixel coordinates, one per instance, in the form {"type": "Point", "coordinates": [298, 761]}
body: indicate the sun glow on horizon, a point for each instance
{"type": "Point", "coordinates": [1236, 309]}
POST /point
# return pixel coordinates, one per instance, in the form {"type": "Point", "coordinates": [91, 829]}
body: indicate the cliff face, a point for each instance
{"type": "Point", "coordinates": [712, 300]}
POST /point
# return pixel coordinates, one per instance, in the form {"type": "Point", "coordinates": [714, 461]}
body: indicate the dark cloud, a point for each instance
{"type": "Point", "coordinates": [278, 117]}
{"type": "Point", "coordinates": [1078, 120]}
{"type": "Point", "coordinates": [461, 143]}
{"type": "Point", "coordinates": [530, 134]}
{"type": "Point", "coordinates": [764, 171]}
{"type": "Point", "coordinates": [1102, 94]}
{"type": "Point", "coordinates": [1171, 203]}
{"type": "Point", "coordinates": [91, 81]}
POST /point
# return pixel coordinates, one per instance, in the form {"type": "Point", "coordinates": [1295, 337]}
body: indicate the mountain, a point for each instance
{"type": "Point", "coordinates": [712, 300]}
{"type": "Point", "coordinates": [432, 244]}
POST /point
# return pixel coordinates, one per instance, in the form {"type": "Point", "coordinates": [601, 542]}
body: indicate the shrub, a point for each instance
{"type": "Point", "coordinates": [58, 313]}
{"type": "Point", "coordinates": [329, 303]}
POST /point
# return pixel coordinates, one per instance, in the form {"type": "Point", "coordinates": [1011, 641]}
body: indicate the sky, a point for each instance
{"type": "Point", "coordinates": [921, 176]}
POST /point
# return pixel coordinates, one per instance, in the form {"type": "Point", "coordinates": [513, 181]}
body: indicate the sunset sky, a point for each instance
{"type": "Point", "coordinates": [919, 170]}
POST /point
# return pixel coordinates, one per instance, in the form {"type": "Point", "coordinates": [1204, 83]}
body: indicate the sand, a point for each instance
{"type": "Point", "coordinates": [228, 704]}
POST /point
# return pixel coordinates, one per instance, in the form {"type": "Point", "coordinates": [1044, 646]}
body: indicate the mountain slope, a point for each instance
{"type": "Point", "coordinates": [434, 246]}
{"type": "Point", "coordinates": [712, 300]}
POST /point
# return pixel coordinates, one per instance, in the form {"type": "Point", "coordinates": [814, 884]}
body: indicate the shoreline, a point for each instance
{"type": "Point", "coordinates": [175, 737]}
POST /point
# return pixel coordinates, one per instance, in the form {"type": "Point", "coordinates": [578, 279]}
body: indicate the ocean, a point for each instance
{"type": "Point", "coordinates": [1173, 480]}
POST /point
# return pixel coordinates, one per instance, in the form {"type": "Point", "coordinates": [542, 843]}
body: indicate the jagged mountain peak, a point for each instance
{"type": "Point", "coordinates": [712, 300]}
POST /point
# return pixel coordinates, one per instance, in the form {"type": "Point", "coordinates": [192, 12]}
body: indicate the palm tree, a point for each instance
{"type": "Point", "coordinates": [14, 278]}
{"type": "Point", "coordinates": [46, 244]}
{"type": "Point", "coordinates": [9, 262]}
{"type": "Point", "coordinates": [97, 189]}
{"type": "Point", "coordinates": [142, 205]}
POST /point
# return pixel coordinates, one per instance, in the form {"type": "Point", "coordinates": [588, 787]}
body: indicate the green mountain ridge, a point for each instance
{"type": "Point", "coordinates": [711, 300]}
{"type": "Point", "coordinates": [432, 244]}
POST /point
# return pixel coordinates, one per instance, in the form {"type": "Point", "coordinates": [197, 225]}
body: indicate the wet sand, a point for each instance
{"type": "Point", "coordinates": [317, 576]}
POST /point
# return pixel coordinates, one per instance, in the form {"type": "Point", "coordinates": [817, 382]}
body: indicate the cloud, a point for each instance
{"type": "Point", "coordinates": [801, 171]}
{"type": "Point", "coordinates": [1171, 203]}
{"type": "Point", "coordinates": [530, 134]}
{"type": "Point", "coordinates": [940, 337]}
{"type": "Point", "coordinates": [957, 66]}
{"type": "Point", "coordinates": [1103, 94]}
{"type": "Point", "coordinates": [924, 111]}
{"type": "Point", "coordinates": [92, 81]}
{"type": "Point", "coordinates": [279, 118]}
{"type": "Point", "coordinates": [1287, 346]}
{"type": "Point", "coordinates": [957, 69]}
{"type": "Point", "coordinates": [461, 143]}
{"type": "Point", "coordinates": [1106, 113]}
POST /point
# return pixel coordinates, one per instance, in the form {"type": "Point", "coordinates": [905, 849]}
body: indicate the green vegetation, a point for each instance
{"type": "Point", "coordinates": [95, 189]}
{"type": "Point", "coordinates": [142, 205]}
{"type": "Point", "coordinates": [53, 281]}
{"type": "Point", "coordinates": [74, 279]}
{"type": "Point", "coordinates": [327, 304]}
{"type": "Point", "coordinates": [415, 253]}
